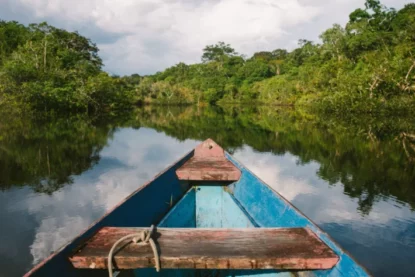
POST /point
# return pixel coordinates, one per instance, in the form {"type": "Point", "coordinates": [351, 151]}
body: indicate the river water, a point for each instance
{"type": "Point", "coordinates": [354, 177]}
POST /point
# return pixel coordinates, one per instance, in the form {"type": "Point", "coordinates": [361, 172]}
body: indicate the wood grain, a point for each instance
{"type": "Point", "coordinates": [213, 169]}
{"type": "Point", "coordinates": [248, 248]}
{"type": "Point", "coordinates": [208, 164]}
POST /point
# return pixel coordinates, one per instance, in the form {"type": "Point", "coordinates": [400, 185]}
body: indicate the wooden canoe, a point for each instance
{"type": "Point", "coordinates": [213, 217]}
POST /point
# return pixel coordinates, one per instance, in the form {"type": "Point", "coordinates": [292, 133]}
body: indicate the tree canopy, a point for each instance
{"type": "Point", "coordinates": [48, 68]}
{"type": "Point", "coordinates": [217, 52]}
{"type": "Point", "coordinates": [366, 66]}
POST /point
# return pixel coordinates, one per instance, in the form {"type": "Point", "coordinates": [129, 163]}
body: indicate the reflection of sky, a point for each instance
{"type": "Point", "coordinates": [33, 225]}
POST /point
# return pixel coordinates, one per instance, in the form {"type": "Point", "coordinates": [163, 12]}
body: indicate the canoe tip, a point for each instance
{"type": "Point", "coordinates": [209, 148]}
{"type": "Point", "coordinates": [209, 140]}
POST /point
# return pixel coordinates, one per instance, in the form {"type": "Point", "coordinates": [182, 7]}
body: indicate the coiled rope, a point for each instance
{"type": "Point", "coordinates": [144, 236]}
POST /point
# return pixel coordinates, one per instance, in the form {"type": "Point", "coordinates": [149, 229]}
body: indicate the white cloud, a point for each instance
{"type": "Point", "coordinates": [154, 34]}
{"type": "Point", "coordinates": [271, 173]}
{"type": "Point", "coordinates": [69, 212]}
{"type": "Point", "coordinates": [174, 31]}
{"type": "Point", "coordinates": [54, 232]}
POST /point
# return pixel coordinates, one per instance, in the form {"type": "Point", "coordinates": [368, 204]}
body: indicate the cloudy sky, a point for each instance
{"type": "Point", "coordinates": [145, 36]}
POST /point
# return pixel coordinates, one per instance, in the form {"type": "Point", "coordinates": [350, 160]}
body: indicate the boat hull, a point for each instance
{"type": "Point", "coordinates": [169, 202]}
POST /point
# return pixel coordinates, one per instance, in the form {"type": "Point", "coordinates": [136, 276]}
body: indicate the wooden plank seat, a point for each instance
{"type": "Point", "coordinates": [248, 248]}
{"type": "Point", "coordinates": [208, 164]}
{"type": "Point", "coordinates": [216, 169]}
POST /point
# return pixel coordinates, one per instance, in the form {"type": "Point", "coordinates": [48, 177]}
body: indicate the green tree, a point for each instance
{"type": "Point", "coordinates": [52, 69]}
{"type": "Point", "coordinates": [334, 41]}
{"type": "Point", "coordinates": [218, 52]}
{"type": "Point", "coordinates": [12, 35]}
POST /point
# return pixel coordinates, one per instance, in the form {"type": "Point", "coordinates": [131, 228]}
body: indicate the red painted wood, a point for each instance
{"type": "Point", "coordinates": [197, 169]}
{"type": "Point", "coordinates": [250, 248]}
{"type": "Point", "coordinates": [209, 148]}
{"type": "Point", "coordinates": [208, 164]}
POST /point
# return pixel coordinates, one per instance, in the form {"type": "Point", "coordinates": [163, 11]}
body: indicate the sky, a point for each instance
{"type": "Point", "coordinates": [146, 36]}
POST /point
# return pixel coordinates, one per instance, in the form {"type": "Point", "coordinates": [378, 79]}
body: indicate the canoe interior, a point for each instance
{"type": "Point", "coordinates": [207, 206]}
{"type": "Point", "coordinates": [168, 202]}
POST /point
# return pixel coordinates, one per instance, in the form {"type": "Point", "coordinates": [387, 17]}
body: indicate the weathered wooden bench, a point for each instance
{"type": "Point", "coordinates": [248, 248]}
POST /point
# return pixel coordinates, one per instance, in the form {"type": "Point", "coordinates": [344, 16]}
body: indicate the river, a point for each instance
{"type": "Point", "coordinates": [353, 176]}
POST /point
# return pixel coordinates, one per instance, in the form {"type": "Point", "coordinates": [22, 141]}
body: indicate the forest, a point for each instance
{"type": "Point", "coordinates": [367, 66]}
{"type": "Point", "coordinates": [43, 68]}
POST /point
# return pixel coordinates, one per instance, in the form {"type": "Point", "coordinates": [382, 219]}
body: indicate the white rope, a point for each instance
{"type": "Point", "coordinates": [144, 236]}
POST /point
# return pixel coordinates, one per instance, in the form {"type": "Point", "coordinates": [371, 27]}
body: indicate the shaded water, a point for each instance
{"type": "Point", "coordinates": [354, 177]}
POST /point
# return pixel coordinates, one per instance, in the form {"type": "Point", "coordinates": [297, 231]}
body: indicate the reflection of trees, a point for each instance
{"type": "Point", "coordinates": [45, 154]}
{"type": "Point", "coordinates": [371, 157]}
{"type": "Point", "coordinates": [408, 144]}
{"type": "Point", "coordinates": [365, 154]}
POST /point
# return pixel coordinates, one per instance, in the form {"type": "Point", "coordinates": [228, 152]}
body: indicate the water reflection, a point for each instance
{"type": "Point", "coordinates": [353, 178]}
{"type": "Point", "coordinates": [368, 156]}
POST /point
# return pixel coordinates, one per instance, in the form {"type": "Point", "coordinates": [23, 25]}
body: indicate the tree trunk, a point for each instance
{"type": "Point", "coordinates": [44, 54]}
{"type": "Point", "coordinates": [373, 86]}
{"type": "Point", "coordinates": [409, 72]}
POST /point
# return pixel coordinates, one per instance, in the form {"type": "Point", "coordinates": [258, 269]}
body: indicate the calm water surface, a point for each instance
{"type": "Point", "coordinates": [354, 178]}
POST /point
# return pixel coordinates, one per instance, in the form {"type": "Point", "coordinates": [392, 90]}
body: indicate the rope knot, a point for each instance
{"type": "Point", "coordinates": [144, 236]}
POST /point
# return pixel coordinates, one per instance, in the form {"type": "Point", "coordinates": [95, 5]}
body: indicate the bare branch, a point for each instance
{"type": "Point", "coordinates": [409, 71]}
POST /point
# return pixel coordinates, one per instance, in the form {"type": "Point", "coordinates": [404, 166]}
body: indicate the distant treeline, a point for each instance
{"type": "Point", "coordinates": [367, 66]}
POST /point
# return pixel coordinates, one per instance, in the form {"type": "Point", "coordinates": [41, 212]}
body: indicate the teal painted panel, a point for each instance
{"type": "Point", "coordinates": [183, 214]}
{"type": "Point", "coordinates": [165, 273]}
{"type": "Point", "coordinates": [208, 273]}
{"type": "Point", "coordinates": [215, 208]}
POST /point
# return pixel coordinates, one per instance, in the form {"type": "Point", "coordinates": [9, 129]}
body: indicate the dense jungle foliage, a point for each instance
{"type": "Point", "coordinates": [366, 66]}
{"type": "Point", "coordinates": [45, 68]}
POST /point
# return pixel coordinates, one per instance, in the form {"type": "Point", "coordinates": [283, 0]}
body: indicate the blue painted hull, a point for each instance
{"type": "Point", "coordinates": [247, 203]}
